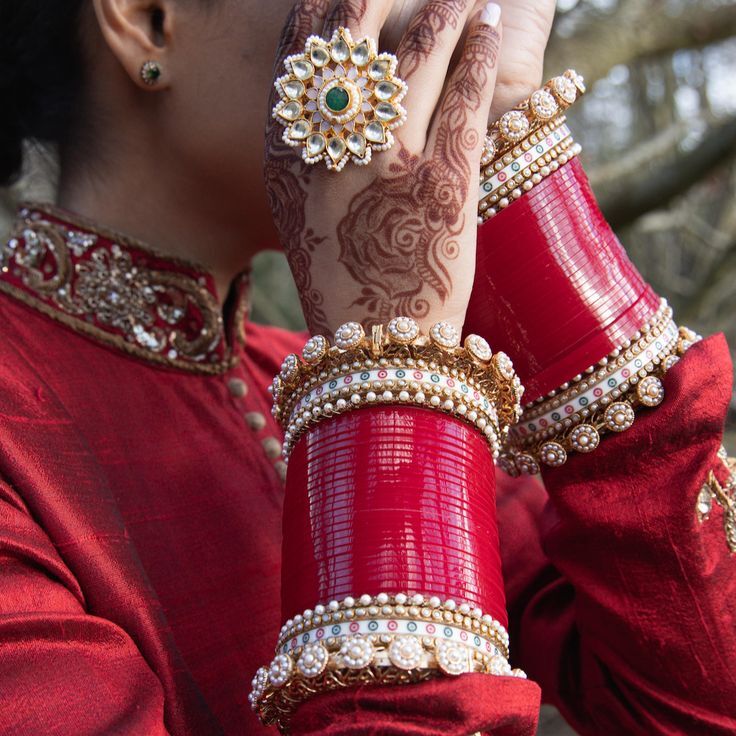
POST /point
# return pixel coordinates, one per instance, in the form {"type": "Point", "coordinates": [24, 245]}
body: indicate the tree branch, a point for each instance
{"type": "Point", "coordinates": [655, 185]}
{"type": "Point", "coordinates": [639, 29]}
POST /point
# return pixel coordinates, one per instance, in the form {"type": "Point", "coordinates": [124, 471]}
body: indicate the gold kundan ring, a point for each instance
{"type": "Point", "coordinates": [340, 100]}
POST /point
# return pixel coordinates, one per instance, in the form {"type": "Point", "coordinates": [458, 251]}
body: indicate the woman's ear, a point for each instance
{"type": "Point", "coordinates": [138, 33]}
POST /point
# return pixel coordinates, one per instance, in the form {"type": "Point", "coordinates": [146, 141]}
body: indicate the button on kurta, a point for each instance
{"type": "Point", "coordinates": [272, 447]}
{"type": "Point", "coordinates": [237, 388]}
{"type": "Point", "coordinates": [281, 468]}
{"type": "Point", "coordinates": [256, 421]}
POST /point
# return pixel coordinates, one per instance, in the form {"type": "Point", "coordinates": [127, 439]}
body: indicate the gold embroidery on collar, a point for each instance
{"type": "Point", "coordinates": [102, 285]}
{"type": "Point", "coordinates": [724, 496]}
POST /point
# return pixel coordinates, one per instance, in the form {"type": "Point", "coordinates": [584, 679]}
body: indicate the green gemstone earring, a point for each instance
{"type": "Point", "coordinates": [151, 72]}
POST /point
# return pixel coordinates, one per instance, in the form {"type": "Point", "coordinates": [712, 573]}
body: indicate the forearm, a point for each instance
{"type": "Point", "coordinates": [391, 566]}
{"type": "Point", "coordinates": [651, 584]}
{"type": "Point", "coordinates": [554, 286]}
{"type": "Point", "coordinates": [651, 634]}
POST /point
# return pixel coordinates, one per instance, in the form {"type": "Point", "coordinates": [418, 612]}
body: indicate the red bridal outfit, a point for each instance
{"type": "Point", "coordinates": [141, 501]}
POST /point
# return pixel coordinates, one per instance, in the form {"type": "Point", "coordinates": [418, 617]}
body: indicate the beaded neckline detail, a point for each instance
{"type": "Point", "coordinates": [119, 292]}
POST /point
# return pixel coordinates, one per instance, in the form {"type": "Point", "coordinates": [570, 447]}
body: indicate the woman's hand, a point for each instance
{"type": "Point", "coordinates": [397, 236]}
{"type": "Point", "coordinates": [527, 25]}
{"type": "Point", "coordinates": [526, 28]}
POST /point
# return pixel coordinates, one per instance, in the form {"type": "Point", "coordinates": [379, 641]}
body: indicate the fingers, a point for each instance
{"type": "Point", "coordinates": [425, 54]}
{"type": "Point", "coordinates": [307, 17]}
{"type": "Point", "coordinates": [457, 135]}
{"type": "Point", "coordinates": [361, 17]}
{"type": "Point", "coordinates": [527, 25]}
{"type": "Point", "coordinates": [436, 27]}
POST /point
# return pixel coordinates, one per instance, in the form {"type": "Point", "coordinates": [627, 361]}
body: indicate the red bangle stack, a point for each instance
{"type": "Point", "coordinates": [391, 500]}
{"type": "Point", "coordinates": [554, 287]}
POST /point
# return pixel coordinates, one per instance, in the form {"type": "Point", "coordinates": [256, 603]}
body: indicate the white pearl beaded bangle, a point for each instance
{"type": "Point", "coordinates": [528, 144]}
{"type": "Point", "coordinates": [378, 639]}
{"type": "Point", "coordinates": [576, 420]}
{"type": "Point", "coordinates": [539, 109]}
{"type": "Point", "coordinates": [400, 366]}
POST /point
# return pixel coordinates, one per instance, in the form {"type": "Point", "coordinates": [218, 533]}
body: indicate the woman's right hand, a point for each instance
{"type": "Point", "coordinates": [396, 236]}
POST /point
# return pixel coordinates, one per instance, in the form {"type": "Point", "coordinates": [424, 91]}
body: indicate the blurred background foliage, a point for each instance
{"type": "Point", "coordinates": [658, 129]}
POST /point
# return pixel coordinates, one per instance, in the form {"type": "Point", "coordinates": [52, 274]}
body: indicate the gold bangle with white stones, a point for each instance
{"type": "Point", "coordinates": [541, 107]}
{"type": "Point", "coordinates": [523, 173]}
{"type": "Point", "coordinates": [397, 365]}
{"type": "Point", "coordinates": [603, 404]}
{"type": "Point", "coordinates": [376, 640]}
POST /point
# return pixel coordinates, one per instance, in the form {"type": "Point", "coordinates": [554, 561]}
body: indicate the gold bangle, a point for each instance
{"type": "Point", "coordinates": [527, 178]}
{"type": "Point", "coordinates": [397, 365]}
{"type": "Point", "coordinates": [538, 109]}
{"type": "Point", "coordinates": [376, 640]}
{"type": "Point", "coordinates": [536, 441]}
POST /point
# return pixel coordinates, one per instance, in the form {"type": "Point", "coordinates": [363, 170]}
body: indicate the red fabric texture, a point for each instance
{"type": "Point", "coordinates": [391, 500]}
{"type": "Point", "coordinates": [140, 547]}
{"type": "Point", "coordinates": [641, 631]}
{"type": "Point", "coordinates": [140, 537]}
{"type": "Point", "coordinates": [499, 706]}
{"type": "Point", "coordinates": [554, 287]}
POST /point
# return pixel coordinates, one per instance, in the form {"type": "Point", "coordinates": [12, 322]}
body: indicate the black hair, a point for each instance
{"type": "Point", "coordinates": [41, 73]}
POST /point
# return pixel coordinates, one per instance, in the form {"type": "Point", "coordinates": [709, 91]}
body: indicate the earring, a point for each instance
{"type": "Point", "coordinates": [151, 72]}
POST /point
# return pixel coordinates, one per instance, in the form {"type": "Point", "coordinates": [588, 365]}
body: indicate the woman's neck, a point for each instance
{"type": "Point", "coordinates": [161, 210]}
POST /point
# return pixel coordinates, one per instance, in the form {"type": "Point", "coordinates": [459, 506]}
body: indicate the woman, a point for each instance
{"type": "Point", "coordinates": [141, 469]}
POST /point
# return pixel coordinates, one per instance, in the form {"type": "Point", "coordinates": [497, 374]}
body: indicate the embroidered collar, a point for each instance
{"type": "Point", "coordinates": [120, 291]}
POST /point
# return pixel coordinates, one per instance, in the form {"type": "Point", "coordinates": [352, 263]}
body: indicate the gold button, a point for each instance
{"type": "Point", "coordinates": [281, 468]}
{"type": "Point", "coordinates": [272, 447]}
{"type": "Point", "coordinates": [237, 388]}
{"type": "Point", "coordinates": [256, 421]}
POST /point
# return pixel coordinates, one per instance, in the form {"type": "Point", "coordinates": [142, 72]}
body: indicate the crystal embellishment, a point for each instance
{"type": "Point", "coordinates": [106, 287]}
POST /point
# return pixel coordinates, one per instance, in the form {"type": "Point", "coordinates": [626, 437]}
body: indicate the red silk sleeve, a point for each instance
{"type": "Point", "coordinates": [638, 632]}
{"type": "Point", "coordinates": [62, 670]}
{"type": "Point", "coordinates": [397, 499]}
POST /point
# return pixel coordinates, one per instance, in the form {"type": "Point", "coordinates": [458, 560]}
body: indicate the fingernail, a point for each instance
{"type": "Point", "coordinates": [491, 14]}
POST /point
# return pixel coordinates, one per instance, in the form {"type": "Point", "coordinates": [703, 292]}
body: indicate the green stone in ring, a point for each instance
{"type": "Point", "coordinates": [337, 99]}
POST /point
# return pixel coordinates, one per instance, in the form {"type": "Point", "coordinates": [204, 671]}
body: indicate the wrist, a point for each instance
{"type": "Point", "coordinates": [391, 565]}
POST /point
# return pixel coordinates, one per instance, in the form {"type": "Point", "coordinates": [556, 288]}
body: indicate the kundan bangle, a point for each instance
{"type": "Point", "coordinates": [604, 400]}
{"type": "Point", "coordinates": [541, 107]}
{"type": "Point", "coordinates": [528, 144]}
{"type": "Point", "coordinates": [377, 640]}
{"type": "Point", "coordinates": [397, 365]}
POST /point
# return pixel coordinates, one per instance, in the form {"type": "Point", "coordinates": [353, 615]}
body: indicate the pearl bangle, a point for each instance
{"type": "Point", "coordinates": [601, 370]}
{"type": "Point", "coordinates": [528, 144]}
{"type": "Point", "coordinates": [397, 365]}
{"type": "Point", "coordinates": [379, 640]}
{"type": "Point", "coordinates": [430, 386]}
{"type": "Point", "coordinates": [582, 431]}
{"type": "Point", "coordinates": [538, 110]}
{"type": "Point", "coordinates": [430, 609]}
{"type": "Point", "coordinates": [523, 182]}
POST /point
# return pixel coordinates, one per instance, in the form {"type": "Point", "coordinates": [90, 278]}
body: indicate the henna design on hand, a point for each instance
{"type": "Point", "coordinates": [395, 246]}
{"type": "Point", "coordinates": [347, 13]}
{"type": "Point", "coordinates": [427, 25]}
{"type": "Point", "coordinates": [287, 177]}
{"type": "Point", "coordinates": [402, 230]}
